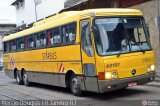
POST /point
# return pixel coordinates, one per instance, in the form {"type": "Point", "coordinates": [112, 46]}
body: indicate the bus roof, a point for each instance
{"type": "Point", "coordinates": [71, 16]}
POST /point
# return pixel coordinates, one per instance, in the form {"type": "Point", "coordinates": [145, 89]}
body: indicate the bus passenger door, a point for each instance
{"type": "Point", "coordinates": [88, 59]}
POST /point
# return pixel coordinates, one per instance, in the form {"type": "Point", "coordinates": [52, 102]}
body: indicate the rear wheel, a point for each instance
{"type": "Point", "coordinates": [74, 86]}
{"type": "Point", "coordinates": [25, 79]}
{"type": "Point", "coordinates": [18, 78]}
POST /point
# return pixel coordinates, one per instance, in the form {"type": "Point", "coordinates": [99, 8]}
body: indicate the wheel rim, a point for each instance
{"type": "Point", "coordinates": [17, 78]}
{"type": "Point", "coordinates": [75, 85]}
{"type": "Point", "coordinates": [25, 79]}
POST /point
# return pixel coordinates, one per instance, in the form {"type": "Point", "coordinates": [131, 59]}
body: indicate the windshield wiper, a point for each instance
{"type": "Point", "coordinates": [141, 50]}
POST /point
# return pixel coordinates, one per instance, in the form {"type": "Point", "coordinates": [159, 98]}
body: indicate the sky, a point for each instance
{"type": "Point", "coordinates": [7, 12]}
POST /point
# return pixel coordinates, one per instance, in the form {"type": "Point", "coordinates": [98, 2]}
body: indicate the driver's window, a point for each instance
{"type": "Point", "coordinates": [86, 38]}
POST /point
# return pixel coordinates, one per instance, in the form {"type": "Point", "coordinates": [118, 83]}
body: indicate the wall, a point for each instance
{"type": "Point", "coordinates": [129, 3]}
{"type": "Point", "coordinates": [6, 28]}
{"type": "Point", "coordinates": [26, 13]}
{"type": "Point", "coordinates": [3, 29]}
{"type": "Point", "coordinates": [29, 12]}
{"type": "Point", "coordinates": [150, 13]}
{"type": "Point", "coordinates": [49, 7]}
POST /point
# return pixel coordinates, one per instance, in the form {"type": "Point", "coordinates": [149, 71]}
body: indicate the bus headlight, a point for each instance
{"type": "Point", "coordinates": [151, 67]}
{"type": "Point", "coordinates": [114, 75]}
{"type": "Point", "coordinates": [110, 75]}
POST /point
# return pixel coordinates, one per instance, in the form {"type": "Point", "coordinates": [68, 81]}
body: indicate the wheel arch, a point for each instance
{"type": "Point", "coordinates": [67, 77]}
{"type": "Point", "coordinates": [22, 71]}
{"type": "Point", "coordinates": [15, 69]}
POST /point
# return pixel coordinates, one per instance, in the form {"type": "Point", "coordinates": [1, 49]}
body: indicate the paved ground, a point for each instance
{"type": "Point", "coordinates": [9, 90]}
{"type": "Point", "coordinates": [158, 73]}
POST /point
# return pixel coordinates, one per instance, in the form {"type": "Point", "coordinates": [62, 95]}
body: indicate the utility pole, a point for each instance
{"type": "Point", "coordinates": [35, 8]}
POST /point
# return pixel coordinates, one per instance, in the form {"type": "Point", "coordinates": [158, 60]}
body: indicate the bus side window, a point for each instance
{"type": "Point", "coordinates": [37, 40]}
{"type": "Point", "coordinates": [86, 38]}
{"type": "Point", "coordinates": [10, 45]}
{"type": "Point", "coordinates": [30, 40]}
{"type": "Point", "coordinates": [57, 39]}
{"type": "Point", "coordinates": [43, 39]}
{"type": "Point", "coordinates": [26, 42]}
{"type": "Point", "coordinates": [57, 36]}
{"type": "Point", "coordinates": [48, 38]}
{"type": "Point", "coordinates": [20, 43]}
{"type": "Point", "coordinates": [69, 33]}
{"type": "Point", "coordinates": [13, 46]}
{"type": "Point", "coordinates": [6, 46]}
{"type": "Point", "coordinates": [50, 35]}
{"type": "Point", "coordinates": [54, 37]}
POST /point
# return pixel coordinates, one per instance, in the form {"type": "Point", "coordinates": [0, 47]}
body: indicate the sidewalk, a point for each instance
{"type": "Point", "coordinates": [157, 79]}
{"type": "Point", "coordinates": [2, 78]}
{"type": "Point", "coordinates": [156, 82]}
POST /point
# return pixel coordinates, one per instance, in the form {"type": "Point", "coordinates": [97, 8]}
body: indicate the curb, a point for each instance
{"type": "Point", "coordinates": [152, 85]}
{"type": "Point", "coordinates": [157, 78]}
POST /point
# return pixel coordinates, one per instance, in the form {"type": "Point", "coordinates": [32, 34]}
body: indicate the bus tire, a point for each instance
{"type": "Point", "coordinates": [74, 86]}
{"type": "Point", "coordinates": [18, 78]}
{"type": "Point", "coordinates": [25, 79]}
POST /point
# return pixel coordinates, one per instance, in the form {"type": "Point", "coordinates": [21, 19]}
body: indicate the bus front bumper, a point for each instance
{"type": "Point", "coordinates": [115, 84]}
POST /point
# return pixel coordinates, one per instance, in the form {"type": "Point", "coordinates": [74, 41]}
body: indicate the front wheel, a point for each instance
{"type": "Point", "coordinates": [25, 79]}
{"type": "Point", "coordinates": [74, 86]}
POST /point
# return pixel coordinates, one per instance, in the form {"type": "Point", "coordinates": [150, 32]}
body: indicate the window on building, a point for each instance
{"type": "Point", "coordinates": [69, 33]}
{"type": "Point", "coordinates": [21, 43]}
{"type": "Point", "coordinates": [40, 39]}
{"type": "Point", "coordinates": [54, 37]}
{"type": "Point", "coordinates": [30, 41]}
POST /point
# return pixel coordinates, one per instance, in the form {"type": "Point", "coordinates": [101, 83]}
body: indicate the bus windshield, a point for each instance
{"type": "Point", "coordinates": [120, 35]}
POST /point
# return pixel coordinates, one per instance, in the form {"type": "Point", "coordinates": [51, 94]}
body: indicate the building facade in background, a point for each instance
{"type": "Point", "coordinates": [85, 4]}
{"type": "Point", "coordinates": [29, 11]}
{"type": "Point", "coordinates": [5, 27]}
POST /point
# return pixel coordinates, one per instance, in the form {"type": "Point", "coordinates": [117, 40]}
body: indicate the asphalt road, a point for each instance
{"type": "Point", "coordinates": [135, 96]}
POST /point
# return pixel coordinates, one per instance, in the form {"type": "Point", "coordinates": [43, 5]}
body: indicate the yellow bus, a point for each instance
{"type": "Point", "coordinates": [97, 50]}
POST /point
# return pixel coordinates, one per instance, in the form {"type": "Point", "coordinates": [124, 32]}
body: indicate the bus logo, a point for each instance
{"type": "Point", "coordinates": [133, 72]}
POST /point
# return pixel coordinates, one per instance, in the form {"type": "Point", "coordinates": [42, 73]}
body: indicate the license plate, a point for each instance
{"type": "Point", "coordinates": [132, 84]}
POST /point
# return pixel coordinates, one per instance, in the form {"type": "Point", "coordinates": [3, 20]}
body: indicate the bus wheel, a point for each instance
{"type": "Point", "coordinates": [25, 79]}
{"type": "Point", "coordinates": [74, 86]}
{"type": "Point", "coordinates": [18, 78]}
